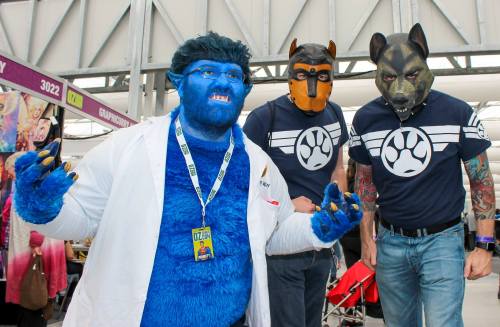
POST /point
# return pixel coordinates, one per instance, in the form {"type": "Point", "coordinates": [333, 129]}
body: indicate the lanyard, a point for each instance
{"type": "Point", "coordinates": [193, 174]}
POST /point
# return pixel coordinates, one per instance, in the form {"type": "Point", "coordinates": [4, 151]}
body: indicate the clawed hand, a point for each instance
{"type": "Point", "coordinates": [338, 214]}
{"type": "Point", "coordinates": [39, 191]}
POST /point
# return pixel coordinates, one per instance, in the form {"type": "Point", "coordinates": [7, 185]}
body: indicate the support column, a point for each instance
{"type": "Point", "coordinates": [148, 100]}
{"type": "Point", "coordinates": [136, 33]}
{"type": "Point", "coordinates": [160, 82]}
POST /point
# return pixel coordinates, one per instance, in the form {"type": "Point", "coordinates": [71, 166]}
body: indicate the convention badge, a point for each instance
{"type": "Point", "coordinates": [202, 244]}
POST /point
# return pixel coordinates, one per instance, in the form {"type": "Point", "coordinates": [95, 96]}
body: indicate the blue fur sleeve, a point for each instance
{"type": "Point", "coordinates": [38, 197]}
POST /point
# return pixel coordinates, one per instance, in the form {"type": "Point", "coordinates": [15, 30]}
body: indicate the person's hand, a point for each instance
{"type": "Point", "coordinates": [338, 214]}
{"type": "Point", "coordinates": [39, 191]}
{"type": "Point", "coordinates": [36, 251]}
{"type": "Point", "coordinates": [478, 264]}
{"type": "Point", "coordinates": [369, 253]}
{"type": "Point", "coordinates": [303, 204]}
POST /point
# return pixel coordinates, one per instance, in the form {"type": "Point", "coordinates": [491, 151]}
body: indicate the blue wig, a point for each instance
{"type": "Point", "coordinates": [212, 47]}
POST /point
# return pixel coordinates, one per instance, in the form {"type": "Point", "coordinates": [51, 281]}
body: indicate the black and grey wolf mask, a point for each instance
{"type": "Point", "coordinates": [403, 77]}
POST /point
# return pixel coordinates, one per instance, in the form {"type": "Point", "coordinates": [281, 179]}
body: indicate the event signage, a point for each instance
{"type": "Point", "coordinates": [30, 79]}
{"type": "Point", "coordinates": [88, 105]}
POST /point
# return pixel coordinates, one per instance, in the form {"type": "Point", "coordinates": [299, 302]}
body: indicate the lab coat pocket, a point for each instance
{"type": "Point", "coordinates": [269, 209]}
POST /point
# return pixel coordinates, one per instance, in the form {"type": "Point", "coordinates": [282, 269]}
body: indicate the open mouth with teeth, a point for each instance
{"type": "Point", "coordinates": [401, 110]}
{"type": "Point", "coordinates": [220, 97]}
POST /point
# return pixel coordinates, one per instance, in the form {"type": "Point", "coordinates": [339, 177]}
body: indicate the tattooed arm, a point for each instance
{"type": "Point", "coordinates": [364, 187]}
{"type": "Point", "coordinates": [482, 191]}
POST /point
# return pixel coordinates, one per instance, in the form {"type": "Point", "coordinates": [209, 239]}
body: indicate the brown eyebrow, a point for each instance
{"type": "Point", "coordinates": [411, 69]}
{"type": "Point", "coordinates": [388, 70]}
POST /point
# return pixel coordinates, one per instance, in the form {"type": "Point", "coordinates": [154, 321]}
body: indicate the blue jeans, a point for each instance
{"type": "Point", "coordinates": [297, 285]}
{"type": "Point", "coordinates": [423, 271]}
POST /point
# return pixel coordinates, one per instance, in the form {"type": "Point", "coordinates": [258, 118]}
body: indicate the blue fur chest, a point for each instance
{"type": "Point", "coordinates": [183, 292]}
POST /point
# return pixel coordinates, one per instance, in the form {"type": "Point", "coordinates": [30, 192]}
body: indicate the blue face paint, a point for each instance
{"type": "Point", "coordinates": [212, 95]}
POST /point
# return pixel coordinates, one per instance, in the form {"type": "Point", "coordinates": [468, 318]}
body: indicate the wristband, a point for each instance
{"type": "Point", "coordinates": [485, 239]}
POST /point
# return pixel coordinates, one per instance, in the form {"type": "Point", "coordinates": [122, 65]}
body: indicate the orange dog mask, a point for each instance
{"type": "Point", "coordinates": [310, 74]}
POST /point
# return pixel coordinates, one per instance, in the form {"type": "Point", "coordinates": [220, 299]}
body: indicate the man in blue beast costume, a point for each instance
{"type": "Point", "coordinates": [149, 193]}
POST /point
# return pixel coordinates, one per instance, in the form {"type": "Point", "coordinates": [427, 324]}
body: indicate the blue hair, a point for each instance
{"type": "Point", "coordinates": [212, 47]}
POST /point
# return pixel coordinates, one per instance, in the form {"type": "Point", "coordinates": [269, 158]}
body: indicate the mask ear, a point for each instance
{"type": "Point", "coordinates": [176, 79]}
{"type": "Point", "coordinates": [332, 49]}
{"type": "Point", "coordinates": [377, 45]}
{"type": "Point", "coordinates": [293, 48]}
{"type": "Point", "coordinates": [417, 37]}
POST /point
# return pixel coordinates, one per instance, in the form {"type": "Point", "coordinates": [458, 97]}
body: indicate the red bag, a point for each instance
{"type": "Point", "coordinates": [346, 288]}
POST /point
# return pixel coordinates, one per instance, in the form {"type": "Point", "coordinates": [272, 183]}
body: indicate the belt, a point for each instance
{"type": "Point", "coordinates": [418, 232]}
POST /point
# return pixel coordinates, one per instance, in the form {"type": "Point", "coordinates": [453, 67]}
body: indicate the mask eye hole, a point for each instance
{"type": "Point", "coordinates": [324, 76]}
{"type": "Point", "coordinates": [412, 76]}
{"type": "Point", "coordinates": [300, 75]}
{"type": "Point", "coordinates": [389, 78]}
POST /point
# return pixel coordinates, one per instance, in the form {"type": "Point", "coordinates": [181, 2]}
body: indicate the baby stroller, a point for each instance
{"type": "Point", "coordinates": [347, 296]}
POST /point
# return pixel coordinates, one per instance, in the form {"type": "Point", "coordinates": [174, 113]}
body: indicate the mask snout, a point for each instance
{"type": "Point", "coordinates": [311, 87]}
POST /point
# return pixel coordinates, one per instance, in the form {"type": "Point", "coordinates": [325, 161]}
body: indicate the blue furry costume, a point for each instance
{"type": "Point", "coordinates": [215, 292]}
{"type": "Point", "coordinates": [211, 74]}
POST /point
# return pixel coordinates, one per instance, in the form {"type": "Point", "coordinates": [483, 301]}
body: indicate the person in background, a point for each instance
{"type": "Point", "coordinates": [497, 232]}
{"type": "Point", "coordinates": [23, 244]}
{"type": "Point", "coordinates": [351, 242]}
{"type": "Point", "coordinates": [303, 133]}
{"type": "Point", "coordinates": [351, 245]}
{"type": "Point", "coordinates": [409, 145]}
{"type": "Point", "coordinates": [73, 266]}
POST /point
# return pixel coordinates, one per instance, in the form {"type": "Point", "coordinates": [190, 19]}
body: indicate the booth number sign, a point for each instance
{"type": "Point", "coordinates": [74, 99]}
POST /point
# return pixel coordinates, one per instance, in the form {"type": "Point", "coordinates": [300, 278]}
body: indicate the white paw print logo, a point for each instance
{"type": "Point", "coordinates": [314, 148]}
{"type": "Point", "coordinates": [482, 132]}
{"type": "Point", "coordinates": [406, 152]}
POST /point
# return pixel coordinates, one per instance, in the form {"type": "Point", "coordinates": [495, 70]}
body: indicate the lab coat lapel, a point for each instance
{"type": "Point", "coordinates": [257, 167]}
{"type": "Point", "coordinates": [156, 139]}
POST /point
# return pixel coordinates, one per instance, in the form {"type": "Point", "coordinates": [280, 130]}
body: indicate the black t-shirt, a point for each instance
{"type": "Point", "coordinates": [305, 148]}
{"type": "Point", "coordinates": [416, 164]}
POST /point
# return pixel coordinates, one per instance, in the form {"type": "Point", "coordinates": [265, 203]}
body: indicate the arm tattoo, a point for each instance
{"type": "Point", "coordinates": [482, 187]}
{"type": "Point", "coordinates": [364, 187]}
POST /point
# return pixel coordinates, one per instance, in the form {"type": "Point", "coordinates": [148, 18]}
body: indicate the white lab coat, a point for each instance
{"type": "Point", "coordinates": [118, 200]}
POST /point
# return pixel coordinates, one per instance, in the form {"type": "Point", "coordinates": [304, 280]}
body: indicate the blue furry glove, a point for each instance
{"type": "Point", "coordinates": [39, 191]}
{"type": "Point", "coordinates": [338, 214]}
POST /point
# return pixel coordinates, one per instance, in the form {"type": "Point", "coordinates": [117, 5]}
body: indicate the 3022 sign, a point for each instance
{"type": "Point", "coordinates": [50, 87]}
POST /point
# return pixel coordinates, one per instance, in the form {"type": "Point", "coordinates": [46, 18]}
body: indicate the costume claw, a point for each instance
{"type": "Point", "coordinates": [43, 153]}
{"type": "Point", "coordinates": [67, 166]}
{"type": "Point", "coordinates": [347, 194]}
{"type": "Point", "coordinates": [318, 208]}
{"type": "Point", "coordinates": [333, 206]}
{"type": "Point", "coordinates": [75, 177]}
{"type": "Point", "coordinates": [355, 207]}
{"type": "Point", "coordinates": [47, 161]}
